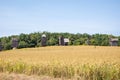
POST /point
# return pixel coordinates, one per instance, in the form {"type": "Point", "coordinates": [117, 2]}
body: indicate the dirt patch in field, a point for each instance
{"type": "Point", "coordinates": [13, 76]}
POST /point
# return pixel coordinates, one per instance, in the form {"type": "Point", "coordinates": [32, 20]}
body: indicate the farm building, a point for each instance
{"type": "Point", "coordinates": [66, 41]}
{"type": "Point", "coordinates": [87, 42]}
{"type": "Point", "coordinates": [0, 46]}
{"type": "Point", "coordinates": [14, 43]}
{"type": "Point", "coordinates": [113, 41]}
{"type": "Point", "coordinates": [43, 40]}
{"type": "Point", "coordinates": [61, 40]}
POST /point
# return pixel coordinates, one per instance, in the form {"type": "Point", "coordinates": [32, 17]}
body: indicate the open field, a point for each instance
{"type": "Point", "coordinates": [83, 62]}
{"type": "Point", "coordinates": [65, 54]}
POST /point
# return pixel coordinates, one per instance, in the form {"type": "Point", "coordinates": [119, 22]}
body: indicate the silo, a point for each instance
{"type": "Point", "coordinates": [14, 43]}
{"type": "Point", "coordinates": [0, 46]}
{"type": "Point", "coordinates": [61, 40]}
{"type": "Point", "coordinates": [43, 40]}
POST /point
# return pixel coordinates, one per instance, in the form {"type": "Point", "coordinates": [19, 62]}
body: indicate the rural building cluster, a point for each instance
{"type": "Point", "coordinates": [59, 39]}
{"type": "Point", "coordinates": [62, 42]}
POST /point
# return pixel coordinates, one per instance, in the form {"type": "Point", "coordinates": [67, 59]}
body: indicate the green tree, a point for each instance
{"type": "Point", "coordinates": [7, 46]}
{"type": "Point", "coordinates": [22, 44]}
{"type": "Point", "coordinates": [34, 39]}
{"type": "Point", "coordinates": [119, 41]}
{"type": "Point", "coordinates": [52, 41]}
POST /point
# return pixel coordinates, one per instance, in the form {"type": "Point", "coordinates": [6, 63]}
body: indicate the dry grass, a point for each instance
{"type": "Point", "coordinates": [75, 62]}
{"type": "Point", "coordinates": [66, 54]}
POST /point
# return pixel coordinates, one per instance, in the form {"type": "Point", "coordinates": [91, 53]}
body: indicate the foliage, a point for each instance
{"type": "Point", "coordinates": [34, 39]}
{"type": "Point", "coordinates": [22, 44]}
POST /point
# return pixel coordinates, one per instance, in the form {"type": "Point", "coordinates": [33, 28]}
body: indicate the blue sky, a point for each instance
{"type": "Point", "coordinates": [74, 16]}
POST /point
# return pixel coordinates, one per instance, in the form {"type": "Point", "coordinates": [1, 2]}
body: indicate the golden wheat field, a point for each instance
{"type": "Point", "coordinates": [72, 62]}
{"type": "Point", "coordinates": [65, 54]}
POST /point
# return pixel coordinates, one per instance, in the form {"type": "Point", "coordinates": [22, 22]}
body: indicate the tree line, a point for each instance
{"type": "Point", "coordinates": [34, 39]}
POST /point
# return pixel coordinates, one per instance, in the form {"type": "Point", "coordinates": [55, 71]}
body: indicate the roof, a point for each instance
{"type": "Point", "coordinates": [14, 39]}
{"type": "Point", "coordinates": [114, 39]}
{"type": "Point", "coordinates": [66, 40]}
{"type": "Point", "coordinates": [43, 35]}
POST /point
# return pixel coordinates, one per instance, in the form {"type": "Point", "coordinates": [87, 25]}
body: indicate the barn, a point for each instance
{"type": "Point", "coordinates": [66, 41]}
{"type": "Point", "coordinates": [63, 41]}
{"type": "Point", "coordinates": [113, 41]}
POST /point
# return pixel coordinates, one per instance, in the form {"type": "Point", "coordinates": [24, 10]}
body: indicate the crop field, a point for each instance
{"type": "Point", "coordinates": [64, 62]}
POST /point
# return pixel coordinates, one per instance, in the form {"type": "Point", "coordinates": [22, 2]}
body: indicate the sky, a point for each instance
{"type": "Point", "coordinates": [73, 16]}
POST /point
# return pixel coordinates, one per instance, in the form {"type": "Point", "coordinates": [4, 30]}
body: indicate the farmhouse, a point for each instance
{"type": "Point", "coordinates": [113, 41]}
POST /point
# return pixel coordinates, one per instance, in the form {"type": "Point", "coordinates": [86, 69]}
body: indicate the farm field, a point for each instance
{"type": "Point", "coordinates": [69, 62]}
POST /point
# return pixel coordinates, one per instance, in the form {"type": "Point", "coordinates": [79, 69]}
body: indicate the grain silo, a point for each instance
{"type": "Point", "coordinates": [0, 46]}
{"type": "Point", "coordinates": [43, 40]}
{"type": "Point", "coordinates": [14, 43]}
{"type": "Point", "coordinates": [61, 40]}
